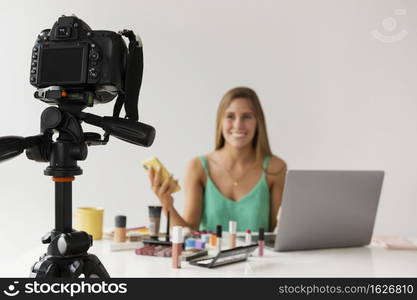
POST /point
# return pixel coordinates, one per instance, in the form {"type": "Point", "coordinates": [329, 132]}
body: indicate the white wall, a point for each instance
{"type": "Point", "coordinates": [335, 97]}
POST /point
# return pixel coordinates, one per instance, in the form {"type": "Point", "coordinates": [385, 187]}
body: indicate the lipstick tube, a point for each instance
{"type": "Point", "coordinates": [219, 237]}
{"type": "Point", "coordinates": [232, 234]}
{"type": "Point", "coordinates": [261, 241]}
{"type": "Point", "coordinates": [177, 240]}
{"type": "Point", "coordinates": [248, 237]}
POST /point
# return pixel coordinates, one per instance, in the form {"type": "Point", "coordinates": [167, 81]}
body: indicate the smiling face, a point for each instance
{"type": "Point", "coordinates": [239, 123]}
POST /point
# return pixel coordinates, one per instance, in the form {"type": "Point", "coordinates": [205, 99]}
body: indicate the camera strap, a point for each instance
{"type": "Point", "coordinates": [133, 78]}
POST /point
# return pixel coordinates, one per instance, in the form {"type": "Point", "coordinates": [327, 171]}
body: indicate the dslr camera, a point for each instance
{"type": "Point", "coordinates": [73, 63]}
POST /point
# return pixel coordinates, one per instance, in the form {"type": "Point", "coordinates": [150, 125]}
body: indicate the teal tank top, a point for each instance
{"type": "Point", "coordinates": [250, 212]}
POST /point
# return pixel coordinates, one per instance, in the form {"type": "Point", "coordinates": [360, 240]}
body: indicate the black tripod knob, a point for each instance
{"type": "Point", "coordinates": [50, 118]}
{"type": "Point", "coordinates": [76, 242]}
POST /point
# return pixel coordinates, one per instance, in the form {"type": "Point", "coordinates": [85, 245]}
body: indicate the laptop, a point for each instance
{"type": "Point", "coordinates": [327, 209]}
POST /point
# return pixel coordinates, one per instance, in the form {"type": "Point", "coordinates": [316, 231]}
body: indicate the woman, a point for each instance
{"type": "Point", "coordinates": [240, 180]}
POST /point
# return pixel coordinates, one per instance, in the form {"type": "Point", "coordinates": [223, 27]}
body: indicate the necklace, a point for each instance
{"type": "Point", "coordinates": [236, 180]}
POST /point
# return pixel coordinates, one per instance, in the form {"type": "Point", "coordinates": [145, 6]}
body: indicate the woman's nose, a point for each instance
{"type": "Point", "coordinates": [238, 123]}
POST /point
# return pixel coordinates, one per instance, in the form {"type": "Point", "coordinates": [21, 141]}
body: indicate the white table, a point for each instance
{"type": "Point", "coordinates": [371, 261]}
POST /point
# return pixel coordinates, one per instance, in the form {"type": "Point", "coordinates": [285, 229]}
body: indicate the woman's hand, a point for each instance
{"type": "Point", "coordinates": [162, 190]}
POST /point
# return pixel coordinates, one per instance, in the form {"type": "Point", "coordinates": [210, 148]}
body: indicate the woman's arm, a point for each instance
{"type": "Point", "coordinates": [193, 190]}
{"type": "Point", "coordinates": [276, 171]}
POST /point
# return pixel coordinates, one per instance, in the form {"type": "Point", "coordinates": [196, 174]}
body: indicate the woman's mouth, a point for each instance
{"type": "Point", "coordinates": [238, 134]}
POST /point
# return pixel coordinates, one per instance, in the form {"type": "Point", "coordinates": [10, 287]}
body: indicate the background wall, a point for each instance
{"type": "Point", "coordinates": [335, 97]}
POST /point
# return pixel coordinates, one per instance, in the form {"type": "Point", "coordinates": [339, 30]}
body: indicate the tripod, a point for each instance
{"type": "Point", "coordinates": [66, 254]}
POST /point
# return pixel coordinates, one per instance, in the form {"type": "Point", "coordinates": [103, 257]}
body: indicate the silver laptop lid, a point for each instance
{"type": "Point", "coordinates": [328, 209]}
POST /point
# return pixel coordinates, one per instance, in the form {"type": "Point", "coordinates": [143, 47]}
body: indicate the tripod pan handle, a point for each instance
{"type": "Point", "coordinates": [11, 146]}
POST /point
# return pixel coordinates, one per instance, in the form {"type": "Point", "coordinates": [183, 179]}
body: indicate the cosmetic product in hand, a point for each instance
{"type": "Point", "coordinates": [177, 240]}
{"type": "Point", "coordinates": [248, 237]}
{"type": "Point", "coordinates": [232, 234]}
{"type": "Point", "coordinates": [156, 164]}
{"type": "Point", "coordinates": [261, 241]}
{"type": "Point", "coordinates": [120, 230]}
{"type": "Point", "coordinates": [154, 221]}
{"type": "Point", "coordinates": [219, 237]}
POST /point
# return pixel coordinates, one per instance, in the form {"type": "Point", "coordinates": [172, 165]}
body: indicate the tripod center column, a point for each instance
{"type": "Point", "coordinates": [63, 204]}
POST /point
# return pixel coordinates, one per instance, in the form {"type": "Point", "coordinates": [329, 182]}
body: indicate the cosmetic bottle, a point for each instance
{"type": "Point", "coordinates": [120, 229]}
{"type": "Point", "coordinates": [232, 234]}
{"type": "Point", "coordinates": [154, 221]}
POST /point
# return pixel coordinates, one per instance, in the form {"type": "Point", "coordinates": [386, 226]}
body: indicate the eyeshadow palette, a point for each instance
{"type": "Point", "coordinates": [225, 257]}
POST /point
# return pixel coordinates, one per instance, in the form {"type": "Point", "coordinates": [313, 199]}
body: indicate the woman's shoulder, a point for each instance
{"type": "Point", "coordinates": [205, 159]}
{"type": "Point", "coordinates": [198, 161]}
{"type": "Point", "coordinates": [196, 165]}
{"type": "Point", "coordinates": [276, 165]}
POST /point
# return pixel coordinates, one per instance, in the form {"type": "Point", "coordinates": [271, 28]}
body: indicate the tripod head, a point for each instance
{"type": "Point", "coordinates": [67, 121]}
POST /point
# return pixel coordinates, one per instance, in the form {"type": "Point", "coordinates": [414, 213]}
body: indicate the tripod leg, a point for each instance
{"type": "Point", "coordinates": [76, 268]}
{"type": "Point", "coordinates": [44, 269]}
{"type": "Point", "coordinates": [93, 268]}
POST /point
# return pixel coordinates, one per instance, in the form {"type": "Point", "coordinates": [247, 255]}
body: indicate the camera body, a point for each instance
{"type": "Point", "coordinates": [73, 57]}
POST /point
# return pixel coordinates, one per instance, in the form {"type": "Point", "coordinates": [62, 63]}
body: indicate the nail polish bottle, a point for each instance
{"type": "Point", "coordinates": [248, 237]}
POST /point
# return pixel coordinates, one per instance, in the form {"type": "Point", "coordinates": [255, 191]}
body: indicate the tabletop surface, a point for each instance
{"type": "Point", "coordinates": [369, 261]}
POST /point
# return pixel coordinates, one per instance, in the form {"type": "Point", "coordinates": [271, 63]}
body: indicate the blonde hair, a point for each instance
{"type": "Point", "coordinates": [260, 141]}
